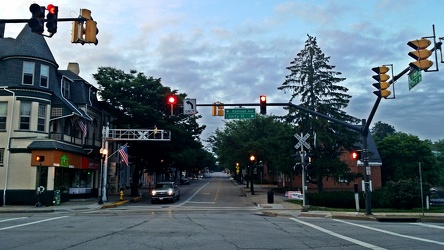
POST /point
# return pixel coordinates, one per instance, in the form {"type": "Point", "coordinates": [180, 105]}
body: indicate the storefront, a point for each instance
{"type": "Point", "coordinates": [73, 175]}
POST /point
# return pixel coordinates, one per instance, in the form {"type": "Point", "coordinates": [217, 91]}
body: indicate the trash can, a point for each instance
{"type": "Point", "coordinates": [270, 197]}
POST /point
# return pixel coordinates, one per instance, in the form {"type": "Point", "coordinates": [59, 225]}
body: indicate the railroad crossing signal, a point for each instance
{"type": "Point", "coordinates": [302, 142]}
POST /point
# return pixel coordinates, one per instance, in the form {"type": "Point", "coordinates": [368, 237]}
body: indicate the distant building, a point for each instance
{"type": "Point", "coordinates": [46, 112]}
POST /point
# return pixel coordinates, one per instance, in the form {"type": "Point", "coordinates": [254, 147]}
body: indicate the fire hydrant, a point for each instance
{"type": "Point", "coordinates": [121, 195]}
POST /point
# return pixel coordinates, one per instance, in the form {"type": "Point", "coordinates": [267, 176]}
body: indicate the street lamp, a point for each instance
{"type": "Point", "coordinates": [103, 153]}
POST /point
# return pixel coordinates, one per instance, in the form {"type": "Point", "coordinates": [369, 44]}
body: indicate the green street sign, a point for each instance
{"type": "Point", "coordinates": [240, 113]}
{"type": "Point", "coordinates": [415, 77]}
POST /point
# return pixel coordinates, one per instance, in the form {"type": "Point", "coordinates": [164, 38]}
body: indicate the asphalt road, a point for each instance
{"type": "Point", "coordinates": [212, 214]}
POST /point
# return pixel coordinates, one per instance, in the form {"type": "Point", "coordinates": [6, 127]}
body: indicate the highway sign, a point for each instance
{"type": "Point", "coordinates": [240, 113]}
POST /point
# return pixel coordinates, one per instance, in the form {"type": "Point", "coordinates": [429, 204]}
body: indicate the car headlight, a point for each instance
{"type": "Point", "coordinates": [170, 192]}
{"type": "Point", "coordinates": [153, 192]}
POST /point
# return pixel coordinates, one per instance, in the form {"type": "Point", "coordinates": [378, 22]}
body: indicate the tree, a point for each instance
{"type": "Point", "coordinates": [401, 154]}
{"type": "Point", "coordinates": [316, 84]}
{"type": "Point", "coordinates": [381, 130]}
{"type": "Point", "coordinates": [138, 101]}
{"type": "Point", "coordinates": [269, 140]}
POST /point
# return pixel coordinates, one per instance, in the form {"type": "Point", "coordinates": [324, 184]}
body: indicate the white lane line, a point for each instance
{"type": "Point", "coordinates": [428, 225]}
{"type": "Point", "coordinates": [392, 233]}
{"type": "Point", "coordinates": [19, 218]}
{"type": "Point", "coordinates": [192, 196]}
{"type": "Point", "coordinates": [31, 223]}
{"type": "Point", "coordinates": [358, 242]}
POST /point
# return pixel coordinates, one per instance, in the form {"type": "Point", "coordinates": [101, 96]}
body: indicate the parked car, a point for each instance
{"type": "Point", "coordinates": [165, 191]}
{"type": "Point", "coordinates": [184, 181]}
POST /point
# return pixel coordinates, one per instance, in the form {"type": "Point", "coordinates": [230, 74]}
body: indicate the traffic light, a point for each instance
{"type": "Point", "coordinates": [85, 33]}
{"type": "Point", "coordinates": [356, 155]}
{"type": "Point", "coordinates": [38, 18]}
{"type": "Point", "coordinates": [263, 104]}
{"type": "Point", "coordinates": [172, 99]}
{"type": "Point", "coordinates": [91, 30]}
{"type": "Point", "coordinates": [51, 18]}
{"type": "Point", "coordinates": [382, 85]}
{"type": "Point", "coordinates": [40, 158]}
{"type": "Point", "coordinates": [420, 54]}
{"type": "Point", "coordinates": [214, 109]}
{"type": "Point", "coordinates": [220, 110]}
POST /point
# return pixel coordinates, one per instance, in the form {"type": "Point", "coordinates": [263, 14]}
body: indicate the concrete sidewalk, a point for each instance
{"type": "Point", "coordinates": [74, 204]}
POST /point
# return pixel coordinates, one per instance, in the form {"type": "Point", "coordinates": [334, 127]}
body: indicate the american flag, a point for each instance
{"type": "Point", "coordinates": [83, 127]}
{"type": "Point", "coordinates": [123, 151]}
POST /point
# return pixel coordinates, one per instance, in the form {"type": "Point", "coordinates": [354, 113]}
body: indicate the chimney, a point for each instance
{"type": "Point", "coordinates": [74, 67]}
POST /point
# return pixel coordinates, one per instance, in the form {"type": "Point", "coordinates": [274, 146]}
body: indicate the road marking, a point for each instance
{"type": "Point", "coordinates": [192, 196]}
{"type": "Point", "coordinates": [395, 234]}
{"type": "Point", "coordinates": [358, 242]}
{"type": "Point", "coordinates": [19, 218]}
{"type": "Point", "coordinates": [217, 191]}
{"type": "Point", "coordinates": [428, 225]}
{"type": "Point", "coordinates": [31, 223]}
{"type": "Point", "coordinates": [203, 202]}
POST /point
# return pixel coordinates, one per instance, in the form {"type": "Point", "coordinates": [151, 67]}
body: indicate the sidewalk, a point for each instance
{"type": "Point", "coordinates": [74, 204]}
{"type": "Point", "coordinates": [281, 205]}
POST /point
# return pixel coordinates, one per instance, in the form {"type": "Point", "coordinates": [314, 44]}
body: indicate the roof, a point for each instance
{"type": "Point", "coordinates": [20, 46]}
{"type": "Point", "coordinates": [55, 145]}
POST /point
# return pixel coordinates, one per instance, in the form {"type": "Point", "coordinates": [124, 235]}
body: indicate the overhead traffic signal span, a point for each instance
{"type": "Point", "coordinates": [420, 54]}
{"type": "Point", "coordinates": [382, 77]}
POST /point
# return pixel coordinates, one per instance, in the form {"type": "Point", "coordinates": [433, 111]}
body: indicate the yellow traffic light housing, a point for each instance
{"type": "Point", "coordinates": [214, 109]}
{"type": "Point", "coordinates": [85, 32]}
{"type": "Point", "coordinates": [220, 110]}
{"type": "Point", "coordinates": [420, 54]}
{"type": "Point", "coordinates": [382, 77]}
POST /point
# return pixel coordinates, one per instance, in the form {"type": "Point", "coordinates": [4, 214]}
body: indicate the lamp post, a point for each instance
{"type": "Point", "coordinates": [253, 162]}
{"type": "Point", "coordinates": [103, 153]}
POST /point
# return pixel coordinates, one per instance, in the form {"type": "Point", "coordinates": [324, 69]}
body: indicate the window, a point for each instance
{"type": "Point", "coordinates": [44, 75]}
{"type": "Point", "coordinates": [25, 115]}
{"type": "Point", "coordinates": [2, 156]}
{"type": "Point", "coordinates": [42, 117]}
{"type": "Point", "coordinates": [28, 73]}
{"type": "Point", "coordinates": [66, 92]}
{"type": "Point", "coordinates": [3, 115]}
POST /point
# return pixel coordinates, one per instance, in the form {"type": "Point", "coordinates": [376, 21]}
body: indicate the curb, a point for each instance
{"type": "Point", "coordinates": [119, 203]}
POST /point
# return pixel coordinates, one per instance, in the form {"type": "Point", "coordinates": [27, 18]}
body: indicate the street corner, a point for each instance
{"type": "Point", "coordinates": [122, 202]}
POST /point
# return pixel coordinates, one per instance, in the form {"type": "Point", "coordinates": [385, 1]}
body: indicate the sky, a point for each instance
{"type": "Point", "coordinates": [234, 51]}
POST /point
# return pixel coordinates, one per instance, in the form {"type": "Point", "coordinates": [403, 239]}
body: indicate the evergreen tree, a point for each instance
{"type": "Point", "coordinates": [315, 83]}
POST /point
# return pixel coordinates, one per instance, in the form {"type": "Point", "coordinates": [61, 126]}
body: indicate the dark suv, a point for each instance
{"type": "Point", "coordinates": [168, 191]}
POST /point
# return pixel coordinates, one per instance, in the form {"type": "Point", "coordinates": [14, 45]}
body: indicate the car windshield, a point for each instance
{"type": "Point", "coordinates": [164, 186]}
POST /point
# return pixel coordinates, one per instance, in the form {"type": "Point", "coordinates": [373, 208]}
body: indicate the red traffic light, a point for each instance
{"type": "Point", "coordinates": [263, 98]}
{"type": "Point", "coordinates": [356, 155]}
{"type": "Point", "coordinates": [51, 9]}
{"type": "Point", "coordinates": [172, 99]}
{"type": "Point", "coordinates": [263, 104]}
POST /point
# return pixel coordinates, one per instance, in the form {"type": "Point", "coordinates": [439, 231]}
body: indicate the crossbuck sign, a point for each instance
{"type": "Point", "coordinates": [302, 141]}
